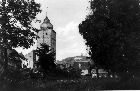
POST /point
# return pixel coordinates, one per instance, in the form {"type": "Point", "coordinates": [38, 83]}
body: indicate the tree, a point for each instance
{"type": "Point", "coordinates": [46, 58]}
{"type": "Point", "coordinates": [112, 32]}
{"type": "Point", "coordinates": [16, 29]}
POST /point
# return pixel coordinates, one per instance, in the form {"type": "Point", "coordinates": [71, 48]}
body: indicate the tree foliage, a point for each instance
{"type": "Point", "coordinates": [46, 58]}
{"type": "Point", "coordinates": [112, 33]}
{"type": "Point", "coordinates": [16, 28]}
{"type": "Point", "coordinates": [16, 17]}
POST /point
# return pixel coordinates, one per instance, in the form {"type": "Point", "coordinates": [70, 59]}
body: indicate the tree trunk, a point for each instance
{"type": "Point", "coordinates": [5, 60]}
{"type": "Point", "coordinates": [97, 72]}
{"type": "Point", "coordinates": [109, 73]}
{"type": "Point", "coordinates": [5, 40]}
{"type": "Point", "coordinates": [89, 71]}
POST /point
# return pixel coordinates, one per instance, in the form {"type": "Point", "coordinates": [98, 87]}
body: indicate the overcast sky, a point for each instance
{"type": "Point", "coordinates": [65, 15]}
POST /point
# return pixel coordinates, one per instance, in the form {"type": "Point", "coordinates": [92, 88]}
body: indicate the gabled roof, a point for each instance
{"type": "Point", "coordinates": [81, 59]}
{"type": "Point", "coordinates": [59, 62]}
{"type": "Point", "coordinates": [71, 60]}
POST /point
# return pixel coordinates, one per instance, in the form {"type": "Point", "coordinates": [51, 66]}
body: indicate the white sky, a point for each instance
{"type": "Point", "coordinates": [65, 15]}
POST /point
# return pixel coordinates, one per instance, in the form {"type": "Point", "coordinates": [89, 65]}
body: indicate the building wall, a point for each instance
{"type": "Point", "coordinates": [29, 60]}
{"type": "Point", "coordinates": [49, 36]}
{"type": "Point", "coordinates": [81, 65]}
{"type": "Point", "coordinates": [45, 37]}
{"type": "Point", "coordinates": [53, 40]}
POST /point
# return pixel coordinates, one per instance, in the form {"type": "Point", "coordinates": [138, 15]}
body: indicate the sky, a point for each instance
{"type": "Point", "coordinates": [65, 16]}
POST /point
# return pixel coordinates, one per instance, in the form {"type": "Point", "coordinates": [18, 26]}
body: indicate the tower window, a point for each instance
{"type": "Point", "coordinates": [49, 27]}
{"type": "Point", "coordinates": [46, 33]}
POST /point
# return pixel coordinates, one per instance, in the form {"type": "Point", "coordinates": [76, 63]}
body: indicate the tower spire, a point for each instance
{"type": "Point", "coordinates": [46, 20]}
{"type": "Point", "coordinates": [46, 24]}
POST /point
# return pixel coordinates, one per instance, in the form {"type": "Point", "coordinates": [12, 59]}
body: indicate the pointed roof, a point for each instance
{"type": "Point", "coordinates": [46, 20]}
{"type": "Point", "coordinates": [46, 24]}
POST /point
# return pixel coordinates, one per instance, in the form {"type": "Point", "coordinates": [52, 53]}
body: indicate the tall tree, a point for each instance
{"type": "Point", "coordinates": [16, 29]}
{"type": "Point", "coordinates": [46, 58]}
{"type": "Point", "coordinates": [112, 33]}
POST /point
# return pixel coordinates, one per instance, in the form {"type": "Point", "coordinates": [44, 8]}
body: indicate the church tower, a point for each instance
{"type": "Point", "coordinates": [45, 32]}
{"type": "Point", "coordinates": [46, 35]}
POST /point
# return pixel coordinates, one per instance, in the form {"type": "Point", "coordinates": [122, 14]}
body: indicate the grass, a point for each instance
{"type": "Point", "coordinates": [88, 84]}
